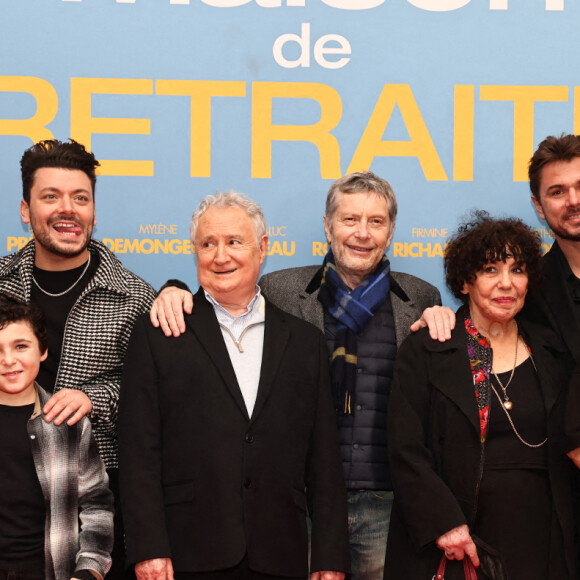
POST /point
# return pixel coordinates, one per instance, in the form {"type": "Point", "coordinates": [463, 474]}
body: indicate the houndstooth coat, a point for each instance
{"type": "Point", "coordinates": [96, 334]}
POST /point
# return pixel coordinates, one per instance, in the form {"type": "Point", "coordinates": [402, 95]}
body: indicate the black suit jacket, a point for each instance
{"type": "Point", "coordinates": [551, 305]}
{"type": "Point", "coordinates": [204, 484]}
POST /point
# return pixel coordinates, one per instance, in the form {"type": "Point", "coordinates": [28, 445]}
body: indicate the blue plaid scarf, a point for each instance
{"type": "Point", "coordinates": [353, 311]}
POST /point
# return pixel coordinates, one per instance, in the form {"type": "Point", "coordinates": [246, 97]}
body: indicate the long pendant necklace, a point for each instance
{"type": "Point", "coordinates": [507, 404]}
{"type": "Point", "coordinates": [507, 414]}
{"type": "Point", "coordinates": [70, 287]}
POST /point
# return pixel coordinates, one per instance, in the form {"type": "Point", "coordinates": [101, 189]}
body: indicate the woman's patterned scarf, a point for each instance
{"type": "Point", "coordinates": [480, 358]}
{"type": "Point", "coordinates": [353, 310]}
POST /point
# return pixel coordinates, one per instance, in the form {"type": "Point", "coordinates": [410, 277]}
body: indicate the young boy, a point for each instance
{"type": "Point", "coordinates": [56, 514]}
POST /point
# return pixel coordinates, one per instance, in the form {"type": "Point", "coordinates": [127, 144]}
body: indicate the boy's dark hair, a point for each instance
{"type": "Point", "coordinates": [12, 310]}
{"type": "Point", "coordinates": [53, 153]}
{"type": "Point", "coordinates": [484, 239]}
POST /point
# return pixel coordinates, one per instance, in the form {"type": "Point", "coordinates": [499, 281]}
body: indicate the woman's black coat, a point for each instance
{"type": "Point", "coordinates": [436, 453]}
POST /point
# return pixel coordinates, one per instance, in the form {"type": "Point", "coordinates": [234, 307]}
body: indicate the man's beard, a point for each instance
{"type": "Point", "coordinates": [564, 234]}
{"type": "Point", "coordinates": [567, 236]}
{"type": "Point", "coordinates": [63, 250]}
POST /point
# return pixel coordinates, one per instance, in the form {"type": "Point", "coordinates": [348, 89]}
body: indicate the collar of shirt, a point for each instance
{"type": "Point", "coordinates": [255, 314]}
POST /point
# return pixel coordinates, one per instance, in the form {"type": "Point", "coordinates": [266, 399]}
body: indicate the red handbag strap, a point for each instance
{"type": "Point", "coordinates": [468, 569]}
{"type": "Point", "coordinates": [441, 570]}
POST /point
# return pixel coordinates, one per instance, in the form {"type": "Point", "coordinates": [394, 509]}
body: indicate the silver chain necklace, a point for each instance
{"type": "Point", "coordinates": [533, 445]}
{"type": "Point", "coordinates": [507, 404]}
{"type": "Point", "coordinates": [70, 287]}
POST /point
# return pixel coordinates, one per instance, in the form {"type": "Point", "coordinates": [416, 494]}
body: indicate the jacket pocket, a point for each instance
{"type": "Point", "coordinates": [178, 493]}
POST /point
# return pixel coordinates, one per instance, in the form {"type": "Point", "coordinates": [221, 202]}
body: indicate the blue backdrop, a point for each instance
{"type": "Point", "coordinates": [446, 99]}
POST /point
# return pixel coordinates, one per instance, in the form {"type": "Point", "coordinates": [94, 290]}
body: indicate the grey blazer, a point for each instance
{"type": "Point", "coordinates": [295, 290]}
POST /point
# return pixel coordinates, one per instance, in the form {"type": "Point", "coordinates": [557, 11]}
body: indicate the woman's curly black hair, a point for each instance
{"type": "Point", "coordinates": [484, 239]}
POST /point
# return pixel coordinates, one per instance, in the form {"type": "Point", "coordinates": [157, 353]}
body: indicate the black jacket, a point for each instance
{"type": "Point", "coordinates": [204, 484]}
{"type": "Point", "coordinates": [434, 436]}
{"type": "Point", "coordinates": [551, 305]}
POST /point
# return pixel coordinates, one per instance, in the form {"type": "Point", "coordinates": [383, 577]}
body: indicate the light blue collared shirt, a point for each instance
{"type": "Point", "coordinates": [244, 338]}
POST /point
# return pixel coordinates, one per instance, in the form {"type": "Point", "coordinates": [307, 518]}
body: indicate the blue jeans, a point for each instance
{"type": "Point", "coordinates": [369, 514]}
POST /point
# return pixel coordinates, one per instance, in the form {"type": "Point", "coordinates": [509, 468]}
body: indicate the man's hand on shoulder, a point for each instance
{"type": "Point", "coordinates": [157, 569]}
{"type": "Point", "coordinates": [327, 576]}
{"type": "Point", "coordinates": [439, 319]}
{"type": "Point", "coordinates": [67, 403]}
{"type": "Point", "coordinates": [167, 310]}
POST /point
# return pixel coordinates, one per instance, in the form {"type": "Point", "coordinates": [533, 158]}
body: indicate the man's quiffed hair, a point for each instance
{"type": "Point", "coordinates": [53, 153]}
{"type": "Point", "coordinates": [484, 239]}
{"type": "Point", "coordinates": [12, 310]}
{"type": "Point", "coordinates": [551, 149]}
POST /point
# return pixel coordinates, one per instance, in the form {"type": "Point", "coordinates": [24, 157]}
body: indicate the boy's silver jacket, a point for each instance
{"type": "Point", "coordinates": [75, 488]}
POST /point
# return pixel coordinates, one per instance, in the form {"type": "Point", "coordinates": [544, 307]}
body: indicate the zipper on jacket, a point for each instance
{"type": "Point", "coordinates": [238, 343]}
